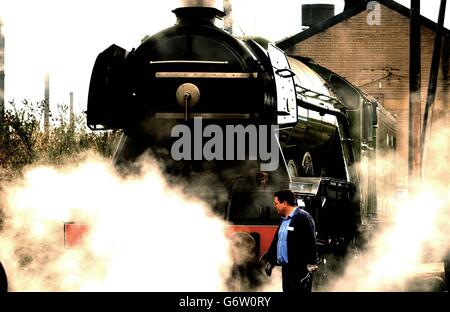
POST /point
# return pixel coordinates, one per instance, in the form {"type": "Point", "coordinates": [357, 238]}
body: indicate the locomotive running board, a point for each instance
{"type": "Point", "coordinates": [311, 186]}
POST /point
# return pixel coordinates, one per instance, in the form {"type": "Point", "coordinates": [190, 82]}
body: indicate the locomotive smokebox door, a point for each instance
{"type": "Point", "coordinates": [284, 81]}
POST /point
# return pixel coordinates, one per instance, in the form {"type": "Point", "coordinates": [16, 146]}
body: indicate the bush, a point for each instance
{"type": "Point", "coordinates": [23, 140]}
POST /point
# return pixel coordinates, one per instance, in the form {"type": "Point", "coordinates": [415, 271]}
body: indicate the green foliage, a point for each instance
{"type": "Point", "coordinates": [23, 140]}
{"type": "Point", "coordinates": [19, 130]}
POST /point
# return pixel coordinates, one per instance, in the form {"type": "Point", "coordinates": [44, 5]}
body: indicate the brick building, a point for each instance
{"type": "Point", "coordinates": [368, 44]}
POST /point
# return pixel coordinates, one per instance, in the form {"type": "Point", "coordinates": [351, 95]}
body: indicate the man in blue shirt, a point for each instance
{"type": "Point", "coordinates": [294, 246]}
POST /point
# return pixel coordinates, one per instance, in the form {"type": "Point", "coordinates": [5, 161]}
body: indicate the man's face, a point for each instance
{"type": "Point", "coordinates": [280, 207]}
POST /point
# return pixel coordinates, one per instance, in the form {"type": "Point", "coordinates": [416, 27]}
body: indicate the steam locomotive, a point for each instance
{"type": "Point", "coordinates": [329, 135]}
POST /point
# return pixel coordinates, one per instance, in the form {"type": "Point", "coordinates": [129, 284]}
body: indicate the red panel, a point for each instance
{"type": "Point", "coordinates": [266, 233]}
{"type": "Point", "coordinates": [74, 233]}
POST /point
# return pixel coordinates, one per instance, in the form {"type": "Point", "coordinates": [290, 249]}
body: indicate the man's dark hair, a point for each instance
{"type": "Point", "coordinates": [286, 195]}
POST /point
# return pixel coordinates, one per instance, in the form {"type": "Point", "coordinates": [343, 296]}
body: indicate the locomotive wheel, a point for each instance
{"type": "Point", "coordinates": [242, 248]}
{"type": "Point", "coordinates": [245, 274]}
{"type": "Point", "coordinates": [3, 280]}
{"type": "Point", "coordinates": [292, 168]}
{"type": "Point", "coordinates": [307, 167]}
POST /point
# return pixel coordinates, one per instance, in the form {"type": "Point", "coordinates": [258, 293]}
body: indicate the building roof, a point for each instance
{"type": "Point", "coordinates": [324, 25]}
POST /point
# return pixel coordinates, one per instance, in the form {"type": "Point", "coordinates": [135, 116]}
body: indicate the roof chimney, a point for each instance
{"type": "Point", "coordinates": [352, 3]}
{"type": "Point", "coordinates": [316, 13]}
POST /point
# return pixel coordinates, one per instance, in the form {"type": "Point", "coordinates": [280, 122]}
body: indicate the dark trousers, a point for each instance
{"type": "Point", "coordinates": [292, 280]}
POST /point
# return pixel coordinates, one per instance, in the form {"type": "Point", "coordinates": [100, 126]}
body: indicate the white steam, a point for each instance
{"type": "Point", "coordinates": [147, 236]}
{"type": "Point", "coordinates": [407, 253]}
{"type": "Point", "coordinates": [144, 236]}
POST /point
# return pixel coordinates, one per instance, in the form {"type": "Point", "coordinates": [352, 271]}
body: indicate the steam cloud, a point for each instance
{"type": "Point", "coordinates": [406, 253]}
{"type": "Point", "coordinates": [147, 236]}
{"type": "Point", "coordinates": [144, 236]}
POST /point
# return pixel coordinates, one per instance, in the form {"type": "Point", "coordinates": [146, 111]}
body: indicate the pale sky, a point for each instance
{"type": "Point", "coordinates": [63, 37]}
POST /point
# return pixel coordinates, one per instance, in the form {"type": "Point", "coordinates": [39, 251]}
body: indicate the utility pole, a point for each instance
{"type": "Point", "coordinates": [414, 95]}
{"type": "Point", "coordinates": [71, 115]}
{"type": "Point", "coordinates": [432, 84]}
{"type": "Point", "coordinates": [47, 104]}
{"type": "Point", "coordinates": [445, 73]}
{"type": "Point", "coordinates": [2, 71]}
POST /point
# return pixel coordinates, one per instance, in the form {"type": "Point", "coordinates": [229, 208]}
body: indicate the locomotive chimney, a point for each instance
{"type": "Point", "coordinates": [199, 11]}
